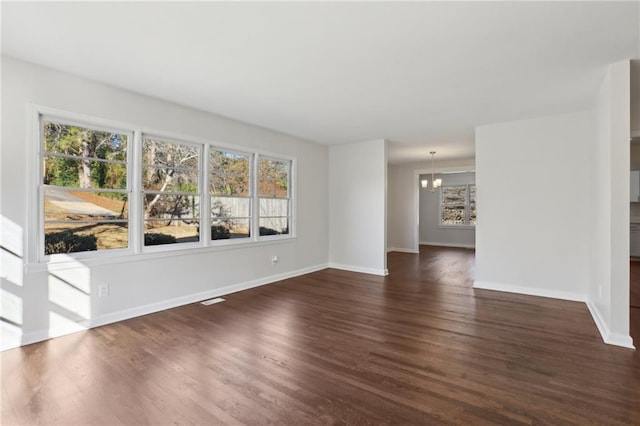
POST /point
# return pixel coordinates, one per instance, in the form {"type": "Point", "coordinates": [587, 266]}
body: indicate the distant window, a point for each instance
{"type": "Point", "coordinates": [274, 196]}
{"type": "Point", "coordinates": [84, 188]}
{"type": "Point", "coordinates": [458, 205]}
{"type": "Point", "coordinates": [171, 202]}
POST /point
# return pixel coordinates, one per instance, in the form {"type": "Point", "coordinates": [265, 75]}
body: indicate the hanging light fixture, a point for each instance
{"type": "Point", "coordinates": [435, 183]}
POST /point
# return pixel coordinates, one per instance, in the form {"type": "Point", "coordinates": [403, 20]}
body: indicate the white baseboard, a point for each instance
{"type": "Point", "coordinates": [530, 291]}
{"type": "Point", "coordinates": [40, 335]}
{"type": "Point", "coordinates": [609, 338]}
{"type": "Point", "coordinates": [360, 269]}
{"type": "Point", "coordinates": [433, 243]}
{"type": "Point", "coordinates": [402, 250]}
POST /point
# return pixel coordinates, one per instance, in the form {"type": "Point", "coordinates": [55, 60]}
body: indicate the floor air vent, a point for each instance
{"type": "Point", "coordinates": [212, 301]}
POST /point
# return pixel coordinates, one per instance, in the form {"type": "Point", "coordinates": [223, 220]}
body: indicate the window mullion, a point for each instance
{"type": "Point", "coordinates": [136, 210]}
{"type": "Point", "coordinates": [39, 251]}
{"type": "Point", "coordinates": [255, 200]}
{"type": "Point", "coordinates": [205, 198]}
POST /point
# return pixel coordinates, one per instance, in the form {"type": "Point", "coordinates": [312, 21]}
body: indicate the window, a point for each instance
{"type": "Point", "coordinates": [472, 205]}
{"type": "Point", "coordinates": [230, 191]}
{"type": "Point", "coordinates": [274, 196]}
{"type": "Point", "coordinates": [104, 189]}
{"type": "Point", "coordinates": [458, 205]}
{"type": "Point", "coordinates": [84, 188]}
{"type": "Point", "coordinates": [171, 202]}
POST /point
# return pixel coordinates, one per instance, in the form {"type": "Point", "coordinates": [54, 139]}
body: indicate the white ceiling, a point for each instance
{"type": "Point", "coordinates": [421, 75]}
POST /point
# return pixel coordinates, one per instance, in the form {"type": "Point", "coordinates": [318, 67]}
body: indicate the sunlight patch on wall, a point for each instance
{"type": "Point", "coordinates": [11, 266]}
{"type": "Point", "coordinates": [12, 278]}
{"type": "Point", "coordinates": [69, 292]}
{"type": "Point", "coordinates": [69, 297]}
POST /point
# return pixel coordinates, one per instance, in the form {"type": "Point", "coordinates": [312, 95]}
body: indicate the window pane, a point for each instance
{"type": "Point", "coordinates": [453, 215]}
{"type": "Point", "coordinates": [454, 195]}
{"type": "Point", "coordinates": [164, 179]}
{"type": "Point", "coordinates": [230, 207]}
{"type": "Point", "coordinates": [472, 193]}
{"type": "Point", "coordinates": [274, 226]}
{"type": "Point", "coordinates": [229, 185]}
{"type": "Point", "coordinates": [160, 232]}
{"type": "Point", "coordinates": [273, 178]}
{"type": "Point", "coordinates": [221, 162]}
{"type": "Point", "coordinates": [172, 155]}
{"type": "Point", "coordinates": [273, 207]}
{"type": "Point", "coordinates": [77, 237]}
{"type": "Point", "coordinates": [472, 214]}
{"type": "Point", "coordinates": [224, 229]}
{"type": "Point", "coordinates": [79, 173]}
{"type": "Point", "coordinates": [84, 142]}
{"type": "Point", "coordinates": [181, 208]}
{"type": "Point", "coordinates": [84, 205]}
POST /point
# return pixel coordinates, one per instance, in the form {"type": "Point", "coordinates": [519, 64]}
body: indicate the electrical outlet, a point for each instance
{"type": "Point", "coordinates": [274, 259]}
{"type": "Point", "coordinates": [103, 290]}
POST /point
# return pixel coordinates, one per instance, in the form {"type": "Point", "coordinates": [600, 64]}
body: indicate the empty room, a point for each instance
{"type": "Point", "coordinates": [298, 213]}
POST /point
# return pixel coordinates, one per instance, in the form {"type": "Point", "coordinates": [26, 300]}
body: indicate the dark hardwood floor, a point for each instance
{"type": "Point", "coordinates": [333, 347]}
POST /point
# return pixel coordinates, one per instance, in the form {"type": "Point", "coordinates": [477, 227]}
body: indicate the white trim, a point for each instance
{"type": "Point", "coordinates": [435, 243]}
{"type": "Point", "coordinates": [359, 269]}
{"type": "Point", "coordinates": [40, 335]}
{"type": "Point", "coordinates": [291, 191]}
{"type": "Point", "coordinates": [609, 338]}
{"type": "Point", "coordinates": [530, 291]}
{"type": "Point", "coordinates": [464, 227]}
{"type": "Point", "coordinates": [402, 250]}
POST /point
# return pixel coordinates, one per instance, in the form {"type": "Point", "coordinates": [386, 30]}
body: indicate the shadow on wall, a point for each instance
{"type": "Point", "coordinates": [68, 294]}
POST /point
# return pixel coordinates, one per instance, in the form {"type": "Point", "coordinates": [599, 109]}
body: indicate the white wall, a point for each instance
{"type": "Point", "coordinates": [145, 283]}
{"type": "Point", "coordinates": [533, 190]}
{"type": "Point", "coordinates": [357, 207]}
{"type": "Point", "coordinates": [608, 294]}
{"type": "Point", "coordinates": [404, 197]}
{"type": "Point", "coordinates": [402, 219]}
{"type": "Point", "coordinates": [431, 232]}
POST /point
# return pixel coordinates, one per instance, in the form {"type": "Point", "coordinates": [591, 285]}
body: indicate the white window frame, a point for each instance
{"type": "Point", "coordinates": [251, 197]}
{"type": "Point", "coordinates": [41, 186]}
{"type": "Point", "coordinates": [140, 189]}
{"type": "Point", "coordinates": [290, 198]}
{"type": "Point", "coordinates": [467, 208]}
{"type": "Point", "coordinates": [136, 248]}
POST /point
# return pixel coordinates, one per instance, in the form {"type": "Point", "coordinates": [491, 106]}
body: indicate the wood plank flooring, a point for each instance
{"type": "Point", "coordinates": [418, 347]}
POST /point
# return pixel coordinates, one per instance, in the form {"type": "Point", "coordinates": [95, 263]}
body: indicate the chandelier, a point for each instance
{"type": "Point", "coordinates": [435, 183]}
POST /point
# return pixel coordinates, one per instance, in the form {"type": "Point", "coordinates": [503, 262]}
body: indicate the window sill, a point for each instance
{"type": "Point", "coordinates": [107, 259]}
{"type": "Point", "coordinates": [457, 226]}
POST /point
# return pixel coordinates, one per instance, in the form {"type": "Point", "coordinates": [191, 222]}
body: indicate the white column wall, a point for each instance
{"type": "Point", "coordinates": [402, 220]}
{"type": "Point", "coordinates": [608, 293]}
{"type": "Point", "coordinates": [358, 206]}
{"type": "Point", "coordinates": [533, 193]}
